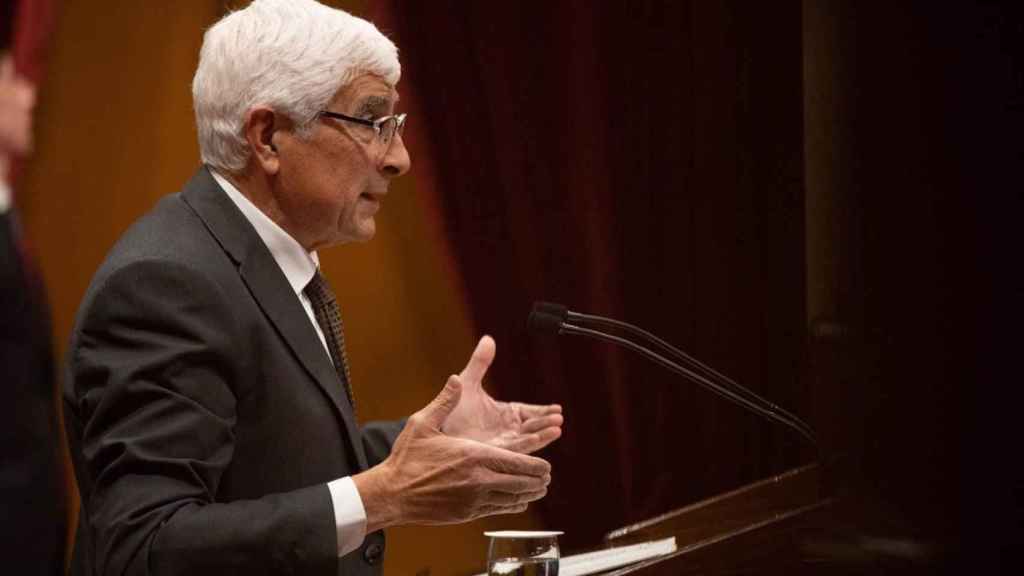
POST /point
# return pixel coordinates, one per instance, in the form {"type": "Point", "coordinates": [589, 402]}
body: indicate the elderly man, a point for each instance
{"type": "Point", "coordinates": [208, 401]}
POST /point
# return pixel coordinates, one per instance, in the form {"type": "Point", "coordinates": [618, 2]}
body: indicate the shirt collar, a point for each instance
{"type": "Point", "coordinates": [298, 266]}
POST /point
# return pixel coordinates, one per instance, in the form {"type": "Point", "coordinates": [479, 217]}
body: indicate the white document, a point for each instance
{"type": "Point", "coordinates": [603, 560]}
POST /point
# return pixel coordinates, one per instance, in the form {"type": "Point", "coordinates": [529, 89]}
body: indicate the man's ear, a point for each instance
{"type": "Point", "coordinates": [262, 126]}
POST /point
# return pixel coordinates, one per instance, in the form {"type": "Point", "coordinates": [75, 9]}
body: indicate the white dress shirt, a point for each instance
{"type": "Point", "coordinates": [299, 267]}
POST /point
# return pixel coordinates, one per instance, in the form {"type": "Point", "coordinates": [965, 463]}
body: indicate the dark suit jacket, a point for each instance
{"type": "Point", "coordinates": [32, 512]}
{"type": "Point", "coordinates": [204, 415]}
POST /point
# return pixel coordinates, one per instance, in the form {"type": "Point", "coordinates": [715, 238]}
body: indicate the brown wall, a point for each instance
{"type": "Point", "coordinates": [115, 133]}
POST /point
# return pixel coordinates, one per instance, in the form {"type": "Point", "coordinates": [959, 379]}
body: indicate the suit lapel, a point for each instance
{"type": "Point", "coordinates": [272, 292]}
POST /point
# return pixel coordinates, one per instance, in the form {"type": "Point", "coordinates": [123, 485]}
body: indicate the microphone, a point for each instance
{"type": "Point", "coordinates": [554, 318]}
{"type": "Point", "coordinates": [551, 308]}
{"type": "Point", "coordinates": [546, 317]}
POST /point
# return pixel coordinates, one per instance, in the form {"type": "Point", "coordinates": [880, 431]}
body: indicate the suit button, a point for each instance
{"type": "Point", "coordinates": [373, 553]}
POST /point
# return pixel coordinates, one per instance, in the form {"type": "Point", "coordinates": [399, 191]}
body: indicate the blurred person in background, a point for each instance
{"type": "Point", "coordinates": [32, 500]}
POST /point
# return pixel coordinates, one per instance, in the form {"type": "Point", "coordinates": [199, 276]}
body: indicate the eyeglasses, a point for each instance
{"type": "Point", "coordinates": [386, 127]}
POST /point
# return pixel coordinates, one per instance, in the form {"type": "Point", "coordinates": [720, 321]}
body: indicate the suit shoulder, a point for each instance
{"type": "Point", "coordinates": [169, 251]}
{"type": "Point", "coordinates": [172, 232]}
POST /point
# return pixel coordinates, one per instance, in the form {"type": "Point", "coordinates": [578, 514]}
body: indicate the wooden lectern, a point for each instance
{"type": "Point", "coordinates": [798, 522]}
{"type": "Point", "coordinates": [768, 527]}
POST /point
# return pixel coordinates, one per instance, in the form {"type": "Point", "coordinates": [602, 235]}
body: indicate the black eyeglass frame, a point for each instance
{"type": "Point", "coordinates": [377, 124]}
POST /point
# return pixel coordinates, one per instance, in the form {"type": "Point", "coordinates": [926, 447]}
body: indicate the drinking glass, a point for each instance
{"type": "Point", "coordinates": [522, 553]}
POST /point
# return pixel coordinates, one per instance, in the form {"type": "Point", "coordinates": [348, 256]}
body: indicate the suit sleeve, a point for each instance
{"type": "Point", "coordinates": [153, 369]}
{"type": "Point", "coordinates": [379, 437]}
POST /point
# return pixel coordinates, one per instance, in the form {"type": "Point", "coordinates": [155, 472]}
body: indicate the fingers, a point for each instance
{"type": "Point", "coordinates": [508, 503]}
{"type": "Point", "coordinates": [547, 436]}
{"type": "Point", "coordinates": [507, 462]}
{"type": "Point", "coordinates": [529, 443]}
{"type": "Point", "coordinates": [512, 494]}
{"type": "Point", "coordinates": [437, 479]}
{"type": "Point", "coordinates": [440, 407]}
{"type": "Point", "coordinates": [512, 484]}
{"type": "Point", "coordinates": [509, 499]}
{"type": "Point", "coordinates": [495, 510]}
{"type": "Point", "coordinates": [480, 360]}
{"type": "Point", "coordinates": [541, 422]}
{"type": "Point", "coordinates": [535, 432]}
{"type": "Point", "coordinates": [527, 411]}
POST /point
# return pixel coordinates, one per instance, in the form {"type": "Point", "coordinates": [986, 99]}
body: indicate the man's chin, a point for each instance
{"type": "Point", "coordinates": [363, 233]}
{"type": "Point", "coordinates": [365, 230]}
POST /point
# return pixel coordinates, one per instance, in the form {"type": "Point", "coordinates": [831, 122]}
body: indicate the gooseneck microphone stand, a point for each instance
{"type": "Point", "coordinates": [555, 318]}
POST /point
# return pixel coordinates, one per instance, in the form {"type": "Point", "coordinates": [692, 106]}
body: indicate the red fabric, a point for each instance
{"type": "Point", "coordinates": [636, 160]}
{"type": "Point", "coordinates": [417, 140]}
{"type": "Point", "coordinates": [32, 29]}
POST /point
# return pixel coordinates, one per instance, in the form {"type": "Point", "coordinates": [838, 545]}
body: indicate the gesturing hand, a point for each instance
{"type": "Point", "coordinates": [522, 428]}
{"type": "Point", "coordinates": [433, 478]}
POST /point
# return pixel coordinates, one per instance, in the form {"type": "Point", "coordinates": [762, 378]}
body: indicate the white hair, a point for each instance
{"type": "Point", "coordinates": [292, 56]}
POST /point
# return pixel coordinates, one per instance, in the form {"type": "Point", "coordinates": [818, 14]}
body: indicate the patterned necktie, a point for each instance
{"type": "Point", "coordinates": [328, 316]}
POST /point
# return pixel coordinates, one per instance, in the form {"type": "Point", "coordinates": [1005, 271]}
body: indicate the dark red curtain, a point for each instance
{"type": "Point", "coordinates": [32, 23]}
{"type": "Point", "coordinates": [640, 160]}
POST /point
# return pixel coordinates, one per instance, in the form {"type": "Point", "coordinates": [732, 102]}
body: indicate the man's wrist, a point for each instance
{"type": "Point", "coordinates": [381, 505]}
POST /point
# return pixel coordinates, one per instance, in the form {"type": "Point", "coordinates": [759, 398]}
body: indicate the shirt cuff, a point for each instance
{"type": "Point", "coordinates": [349, 514]}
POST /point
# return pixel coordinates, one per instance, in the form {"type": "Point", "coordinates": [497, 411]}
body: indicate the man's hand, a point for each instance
{"type": "Point", "coordinates": [433, 478]}
{"type": "Point", "coordinates": [523, 428]}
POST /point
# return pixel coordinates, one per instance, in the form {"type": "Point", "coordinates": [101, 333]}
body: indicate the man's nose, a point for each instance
{"type": "Point", "coordinates": [396, 161]}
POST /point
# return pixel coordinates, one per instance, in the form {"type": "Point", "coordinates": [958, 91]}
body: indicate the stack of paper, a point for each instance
{"type": "Point", "coordinates": [608, 559]}
{"type": "Point", "coordinates": [602, 560]}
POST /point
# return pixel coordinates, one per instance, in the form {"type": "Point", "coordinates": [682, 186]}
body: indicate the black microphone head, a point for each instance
{"type": "Point", "coordinates": [542, 321]}
{"type": "Point", "coordinates": [556, 310]}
